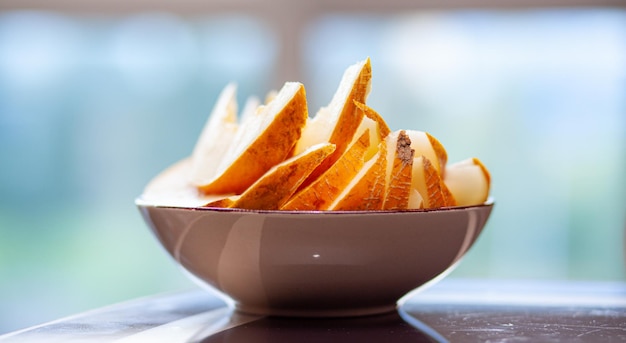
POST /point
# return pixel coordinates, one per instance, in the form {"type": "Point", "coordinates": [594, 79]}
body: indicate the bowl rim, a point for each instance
{"type": "Point", "coordinates": [490, 202]}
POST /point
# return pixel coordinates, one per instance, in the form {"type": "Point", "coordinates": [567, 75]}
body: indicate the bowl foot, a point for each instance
{"type": "Point", "coordinates": [315, 313]}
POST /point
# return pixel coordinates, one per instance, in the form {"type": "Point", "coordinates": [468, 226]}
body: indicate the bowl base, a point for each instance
{"type": "Point", "coordinates": [315, 313]}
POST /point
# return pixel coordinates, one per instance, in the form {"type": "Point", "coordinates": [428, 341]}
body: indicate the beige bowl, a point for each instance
{"type": "Point", "coordinates": [315, 263]}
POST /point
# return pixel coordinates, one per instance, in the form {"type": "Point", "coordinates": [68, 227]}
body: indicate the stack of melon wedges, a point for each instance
{"type": "Point", "coordinates": [273, 156]}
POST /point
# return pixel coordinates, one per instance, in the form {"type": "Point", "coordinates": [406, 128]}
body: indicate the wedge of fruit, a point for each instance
{"type": "Point", "coordinates": [216, 137]}
{"type": "Point", "coordinates": [398, 171]}
{"type": "Point", "coordinates": [322, 191]}
{"type": "Point", "coordinates": [172, 188]}
{"type": "Point", "coordinates": [383, 128]}
{"type": "Point", "coordinates": [273, 189]}
{"type": "Point", "coordinates": [426, 145]}
{"type": "Point", "coordinates": [261, 142]}
{"type": "Point", "coordinates": [320, 194]}
{"type": "Point", "coordinates": [469, 181]}
{"type": "Point", "coordinates": [430, 185]}
{"type": "Point", "coordinates": [372, 121]}
{"type": "Point", "coordinates": [251, 108]}
{"type": "Point", "coordinates": [343, 158]}
{"type": "Point", "coordinates": [366, 191]}
{"type": "Point", "coordinates": [338, 122]}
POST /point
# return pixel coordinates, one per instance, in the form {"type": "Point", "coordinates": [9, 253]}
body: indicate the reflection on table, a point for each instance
{"type": "Point", "coordinates": [453, 310]}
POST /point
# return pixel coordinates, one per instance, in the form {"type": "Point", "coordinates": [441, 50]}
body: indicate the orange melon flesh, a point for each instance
{"type": "Point", "coordinates": [276, 186]}
{"type": "Point", "coordinates": [366, 191]}
{"type": "Point", "coordinates": [430, 185]}
{"type": "Point", "coordinates": [374, 122]}
{"type": "Point", "coordinates": [440, 153]}
{"type": "Point", "coordinates": [272, 190]}
{"type": "Point", "coordinates": [261, 142]}
{"type": "Point", "coordinates": [338, 122]}
{"type": "Point", "coordinates": [383, 128]}
{"type": "Point", "coordinates": [399, 171]}
{"type": "Point", "coordinates": [324, 190]}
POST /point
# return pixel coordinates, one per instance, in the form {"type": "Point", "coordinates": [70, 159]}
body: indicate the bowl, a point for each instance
{"type": "Point", "coordinates": [317, 263]}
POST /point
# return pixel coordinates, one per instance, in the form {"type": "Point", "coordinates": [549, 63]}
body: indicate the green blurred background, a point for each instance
{"type": "Point", "coordinates": [93, 105]}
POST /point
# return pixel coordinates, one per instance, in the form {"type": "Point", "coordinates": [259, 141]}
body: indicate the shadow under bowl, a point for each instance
{"type": "Point", "coordinates": [319, 263]}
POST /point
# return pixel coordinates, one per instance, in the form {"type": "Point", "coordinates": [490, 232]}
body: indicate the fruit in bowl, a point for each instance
{"type": "Point", "coordinates": [331, 215]}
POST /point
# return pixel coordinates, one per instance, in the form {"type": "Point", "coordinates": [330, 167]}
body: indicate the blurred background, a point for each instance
{"type": "Point", "coordinates": [96, 98]}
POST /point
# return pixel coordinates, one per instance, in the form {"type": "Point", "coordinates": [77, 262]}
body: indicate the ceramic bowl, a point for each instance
{"type": "Point", "coordinates": [315, 264]}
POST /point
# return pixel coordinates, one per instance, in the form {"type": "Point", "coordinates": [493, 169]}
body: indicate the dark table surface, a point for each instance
{"type": "Point", "coordinates": [451, 311]}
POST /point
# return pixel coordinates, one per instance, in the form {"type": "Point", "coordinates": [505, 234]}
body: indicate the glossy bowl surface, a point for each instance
{"type": "Point", "coordinates": [315, 263]}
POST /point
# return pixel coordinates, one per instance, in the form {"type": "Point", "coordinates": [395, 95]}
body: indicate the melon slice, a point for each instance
{"type": "Point", "coordinates": [399, 171]}
{"type": "Point", "coordinates": [366, 191]}
{"type": "Point", "coordinates": [216, 137]}
{"type": "Point", "coordinates": [320, 194]}
{"type": "Point", "coordinates": [469, 181]}
{"type": "Point", "coordinates": [261, 142]}
{"type": "Point", "coordinates": [428, 182]}
{"type": "Point", "coordinates": [338, 122]}
{"type": "Point", "coordinates": [274, 188]}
